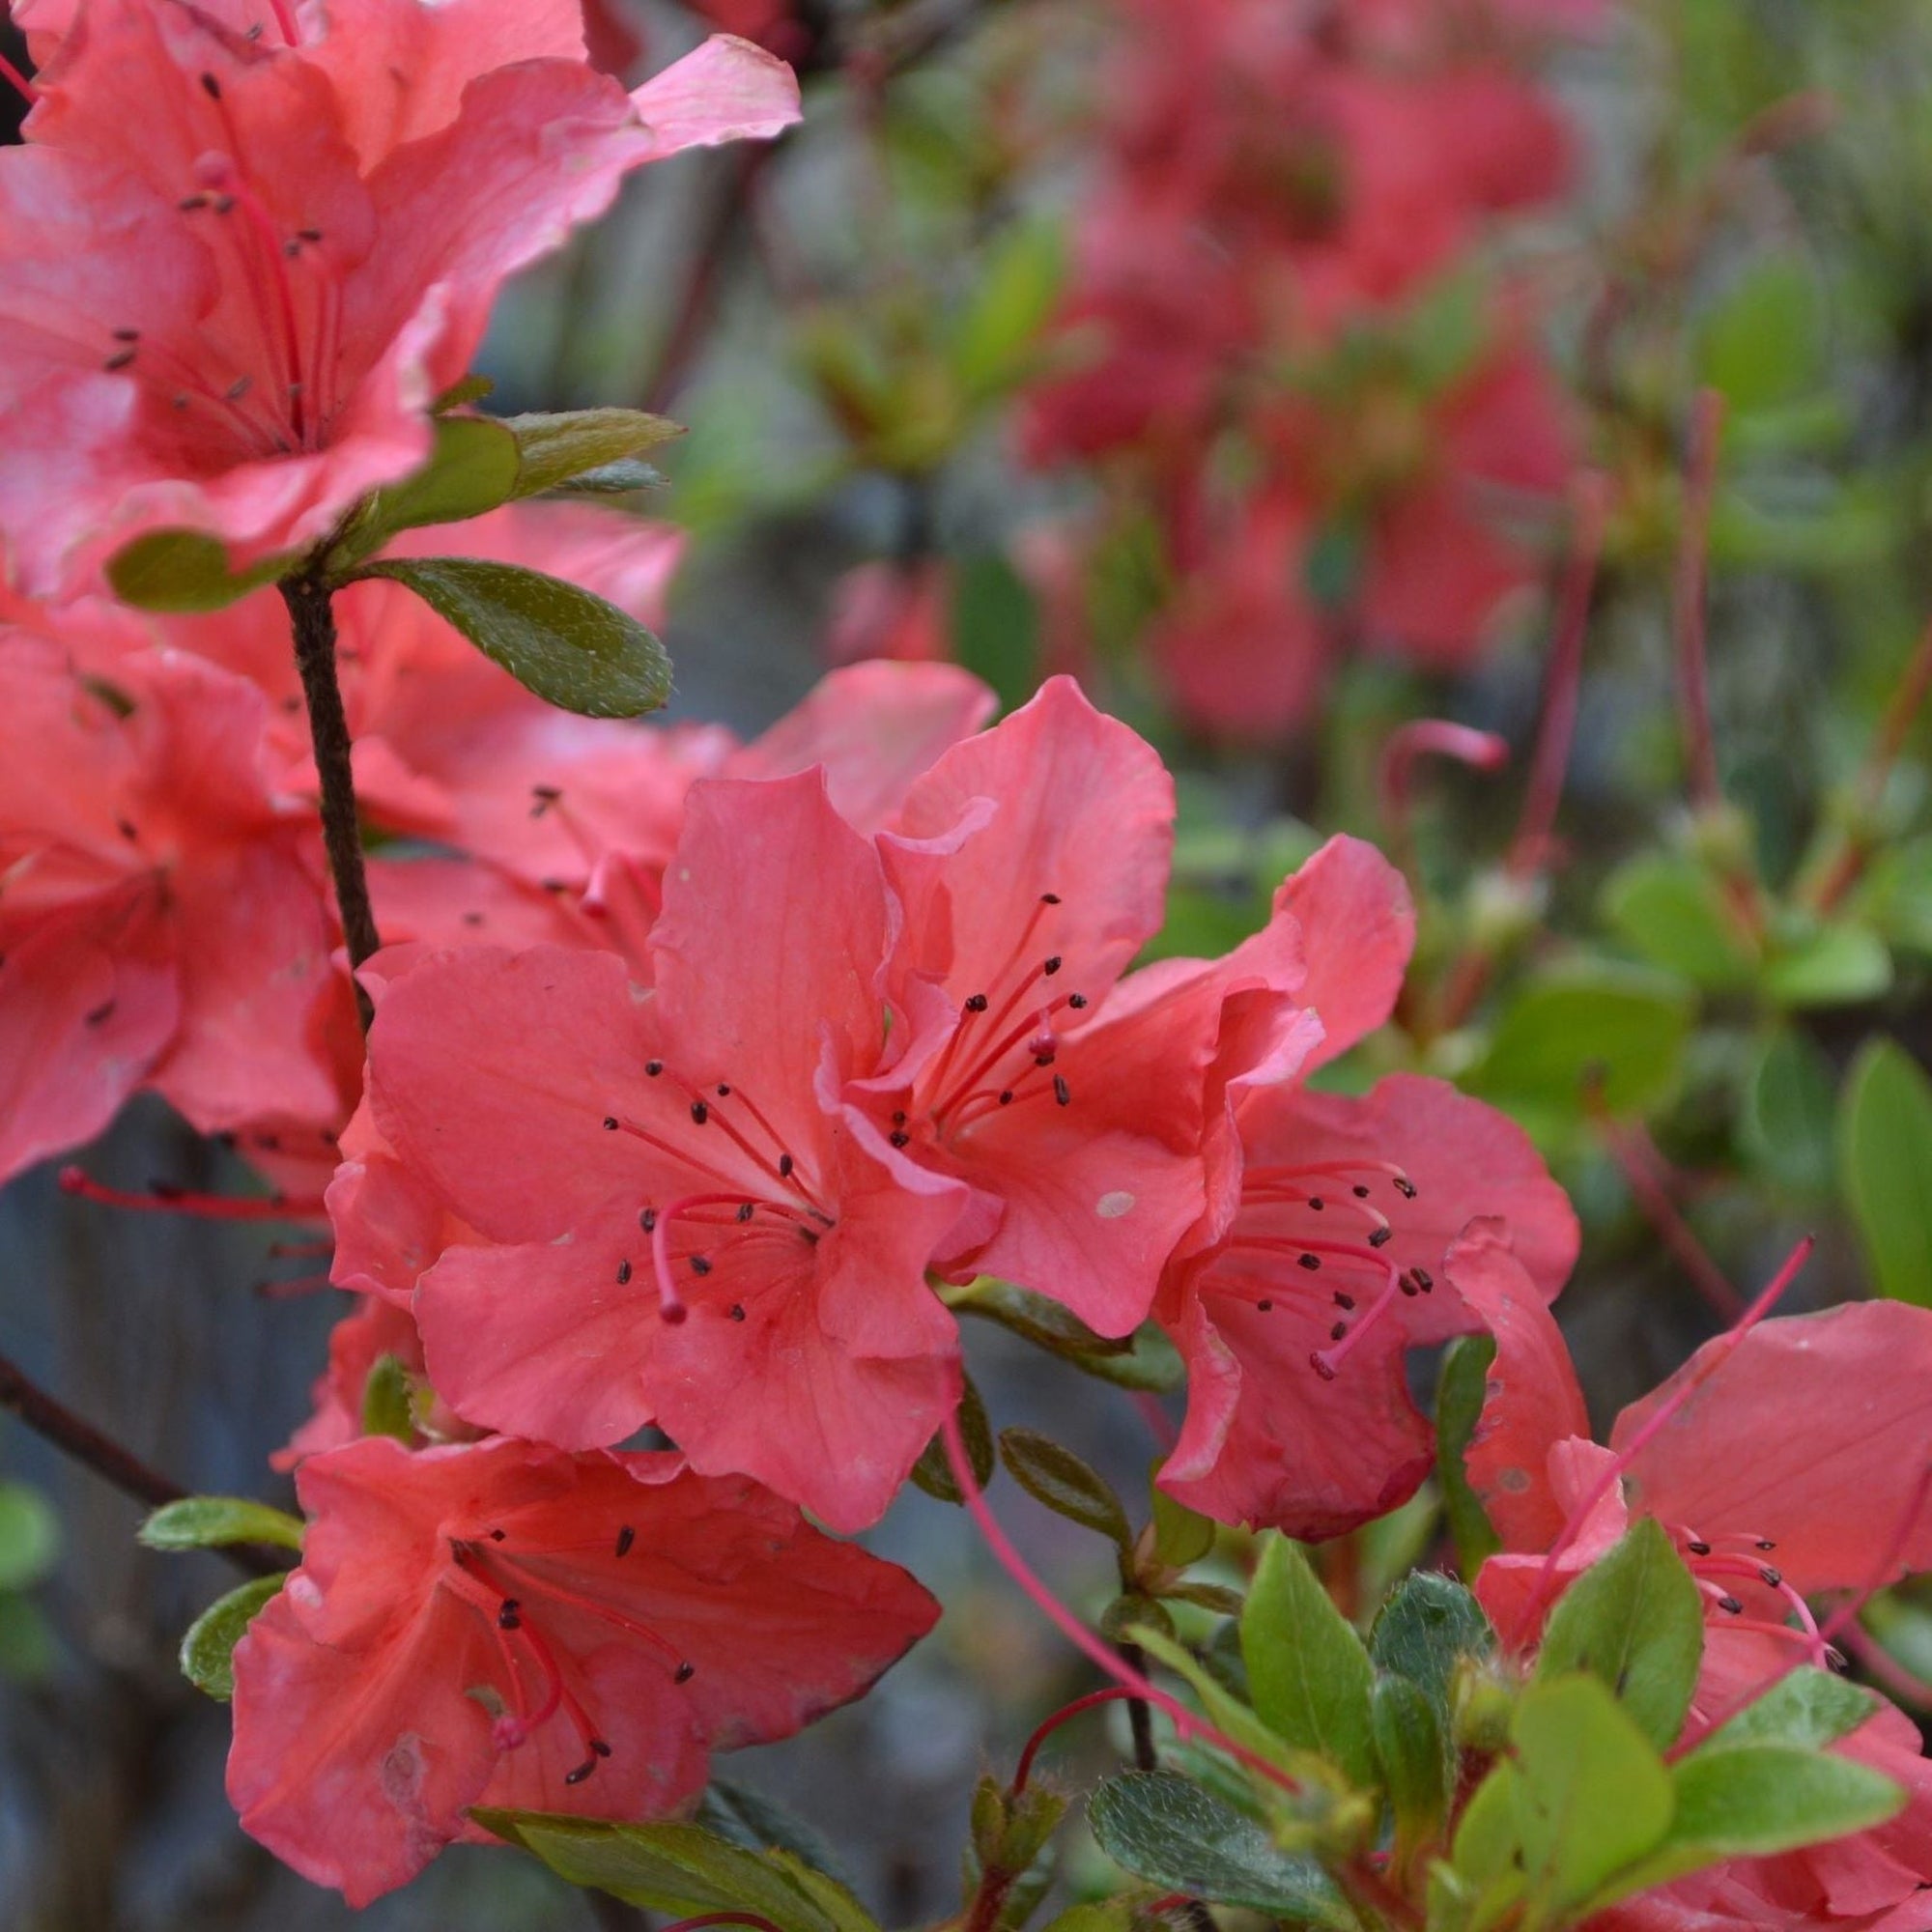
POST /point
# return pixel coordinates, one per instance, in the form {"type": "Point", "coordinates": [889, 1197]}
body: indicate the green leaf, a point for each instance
{"type": "Point", "coordinates": [1180, 1535]}
{"type": "Point", "coordinates": [683, 1870]}
{"type": "Point", "coordinates": [1785, 1112]}
{"type": "Point", "coordinates": [28, 1651]}
{"type": "Point", "coordinates": [1415, 1756]}
{"type": "Point", "coordinates": [1171, 1832]}
{"type": "Point", "coordinates": [1308, 1673]}
{"type": "Point", "coordinates": [1749, 1801]}
{"type": "Point", "coordinates": [1897, 895]}
{"type": "Point", "coordinates": [558, 452]}
{"type": "Point", "coordinates": [208, 1522]}
{"type": "Point", "coordinates": [471, 470]}
{"type": "Point", "coordinates": [1592, 1799]}
{"type": "Point", "coordinates": [1014, 294]}
{"type": "Point", "coordinates": [1105, 1914]}
{"type": "Point", "coordinates": [1144, 1360]}
{"type": "Point", "coordinates": [1228, 1713]}
{"type": "Point", "coordinates": [1066, 1484]}
{"type": "Point", "coordinates": [1425, 1630]}
{"type": "Point", "coordinates": [207, 1650]}
{"type": "Point", "coordinates": [995, 624]}
{"type": "Point", "coordinates": [571, 648]}
{"type": "Point", "coordinates": [472, 388]}
{"type": "Point", "coordinates": [1460, 1392]}
{"type": "Point", "coordinates": [1885, 1167]}
{"type": "Point", "coordinates": [187, 570]}
{"type": "Point", "coordinates": [933, 1471]}
{"type": "Point", "coordinates": [1634, 1619]}
{"type": "Point", "coordinates": [1764, 342]}
{"type": "Point", "coordinates": [1807, 1708]}
{"type": "Point", "coordinates": [1673, 914]}
{"type": "Point", "coordinates": [1836, 965]}
{"type": "Point", "coordinates": [388, 1401]}
{"type": "Point", "coordinates": [30, 1536]}
{"type": "Point", "coordinates": [1583, 1023]}
{"type": "Point", "coordinates": [750, 1819]}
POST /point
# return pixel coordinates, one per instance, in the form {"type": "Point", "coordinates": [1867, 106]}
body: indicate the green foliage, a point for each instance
{"type": "Point", "coordinates": [933, 1471]}
{"type": "Point", "coordinates": [207, 1650]}
{"type": "Point", "coordinates": [187, 570]}
{"type": "Point", "coordinates": [683, 1870]}
{"type": "Point", "coordinates": [1177, 1834]}
{"type": "Point", "coordinates": [388, 1401]}
{"type": "Point", "coordinates": [1460, 1392]}
{"type": "Point", "coordinates": [1070, 1487]}
{"type": "Point", "coordinates": [1309, 1676]}
{"type": "Point", "coordinates": [995, 626]}
{"type": "Point", "coordinates": [208, 1522]}
{"type": "Point", "coordinates": [1786, 1113]}
{"type": "Point", "coordinates": [1886, 1167]}
{"type": "Point", "coordinates": [1144, 1361]}
{"type": "Point", "coordinates": [471, 470]}
{"type": "Point", "coordinates": [750, 1819]}
{"type": "Point", "coordinates": [585, 449]}
{"type": "Point", "coordinates": [1807, 1708]}
{"type": "Point", "coordinates": [1636, 1620]}
{"type": "Point", "coordinates": [30, 1537]}
{"type": "Point", "coordinates": [568, 646]}
{"type": "Point", "coordinates": [1424, 1631]}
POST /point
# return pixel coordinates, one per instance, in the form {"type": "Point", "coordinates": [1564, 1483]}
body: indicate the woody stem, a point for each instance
{"type": "Point", "coordinates": [313, 621]}
{"type": "Point", "coordinates": [54, 1422]}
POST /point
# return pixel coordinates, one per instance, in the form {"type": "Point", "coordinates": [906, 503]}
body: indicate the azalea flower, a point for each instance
{"type": "Point", "coordinates": [245, 247]}
{"type": "Point", "coordinates": [502, 1624]}
{"type": "Point", "coordinates": [1298, 1299]}
{"type": "Point", "coordinates": [682, 1224]}
{"type": "Point", "coordinates": [164, 920]}
{"type": "Point", "coordinates": [1789, 1460]}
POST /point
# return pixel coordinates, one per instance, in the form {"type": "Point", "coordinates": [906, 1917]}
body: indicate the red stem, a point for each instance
{"type": "Point", "coordinates": [1024, 1770]}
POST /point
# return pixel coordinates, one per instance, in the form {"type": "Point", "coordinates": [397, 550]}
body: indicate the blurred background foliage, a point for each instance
{"type": "Point", "coordinates": [1702, 985]}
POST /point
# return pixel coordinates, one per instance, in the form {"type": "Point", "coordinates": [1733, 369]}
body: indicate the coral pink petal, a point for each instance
{"type": "Point", "coordinates": [1358, 929]}
{"type": "Point", "coordinates": [728, 90]}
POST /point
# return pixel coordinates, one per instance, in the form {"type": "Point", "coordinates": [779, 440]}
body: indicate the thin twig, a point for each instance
{"type": "Point", "coordinates": [312, 617]}
{"type": "Point", "coordinates": [54, 1422]}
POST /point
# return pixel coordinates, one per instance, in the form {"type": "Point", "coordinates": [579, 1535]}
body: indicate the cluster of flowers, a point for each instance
{"type": "Point", "coordinates": [1790, 1462]}
{"type": "Point", "coordinates": [1286, 342]}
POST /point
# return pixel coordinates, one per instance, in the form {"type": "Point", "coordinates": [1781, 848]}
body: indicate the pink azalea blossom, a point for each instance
{"type": "Point", "coordinates": [1296, 1302]}
{"type": "Point", "coordinates": [502, 1624]}
{"type": "Point", "coordinates": [164, 921]}
{"type": "Point", "coordinates": [245, 248]}
{"type": "Point", "coordinates": [668, 1186]}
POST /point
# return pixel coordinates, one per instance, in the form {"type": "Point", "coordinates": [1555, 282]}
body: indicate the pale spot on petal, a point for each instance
{"type": "Point", "coordinates": [1111, 1206]}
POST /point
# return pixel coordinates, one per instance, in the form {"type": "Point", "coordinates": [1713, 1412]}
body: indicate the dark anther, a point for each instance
{"type": "Point", "coordinates": [1077, 1000]}
{"type": "Point", "coordinates": [1263, 1307]}
{"type": "Point", "coordinates": [647, 1220]}
{"type": "Point", "coordinates": [1044, 1059]}
{"type": "Point", "coordinates": [901, 1138]}
{"type": "Point", "coordinates": [746, 1210]}
{"type": "Point", "coordinates": [239, 388]}
{"type": "Point", "coordinates": [975, 1003]}
{"type": "Point", "coordinates": [223, 204]}
{"type": "Point", "coordinates": [1423, 1280]}
{"type": "Point", "coordinates": [555, 885]}
{"type": "Point", "coordinates": [1730, 1607]}
{"type": "Point", "coordinates": [1409, 1285]}
{"type": "Point", "coordinates": [549, 794]}
{"type": "Point", "coordinates": [292, 248]}
{"type": "Point", "coordinates": [737, 1311]}
{"type": "Point", "coordinates": [724, 1091]}
{"type": "Point", "coordinates": [508, 1617]}
{"type": "Point", "coordinates": [653, 1068]}
{"type": "Point", "coordinates": [899, 1117]}
{"type": "Point", "coordinates": [309, 234]}
{"type": "Point", "coordinates": [1061, 1092]}
{"type": "Point", "coordinates": [190, 203]}
{"type": "Point", "coordinates": [119, 359]}
{"type": "Point", "coordinates": [699, 1112]}
{"type": "Point", "coordinates": [1007, 1097]}
{"type": "Point", "coordinates": [1049, 898]}
{"type": "Point", "coordinates": [1698, 1549]}
{"type": "Point", "coordinates": [1321, 1367]}
{"type": "Point", "coordinates": [785, 1166]}
{"type": "Point", "coordinates": [1316, 1201]}
{"type": "Point", "coordinates": [1051, 966]}
{"type": "Point", "coordinates": [126, 829]}
{"type": "Point", "coordinates": [1310, 1262]}
{"type": "Point", "coordinates": [1381, 1238]}
{"type": "Point", "coordinates": [700, 1265]}
{"type": "Point", "coordinates": [1765, 1543]}
{"type": "Point", "coordinates": [625, 1538]}
{"type": "Point", "coordinates": [609, 1124]}
{"type": "Point", "coordinates": [583, 1771]}
{"type": "Point", "coordinates": [211, 87]}
{"type": "Point", "coordinates": [1344, 1299]}
{"type": "Point", "coordinates": [1361, 1190]}
{"type": "Point", "coordinates": [684, 1673]}
{"type": "Point", "coordinates": [496, 1536]}
{"type": "Point", "coordinates": [99, 1014]}
{"type": "Point", "coordinates": [1336, 1334]}
{"type": "Point", "coordinates": [623, 1272]}
{"type": "Point", "coordinates": [1772, 1578]}
{"type": "Point", "coordinates": [127, 335]}
{"type": "Point", "coordinates": [1404, 1186]}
